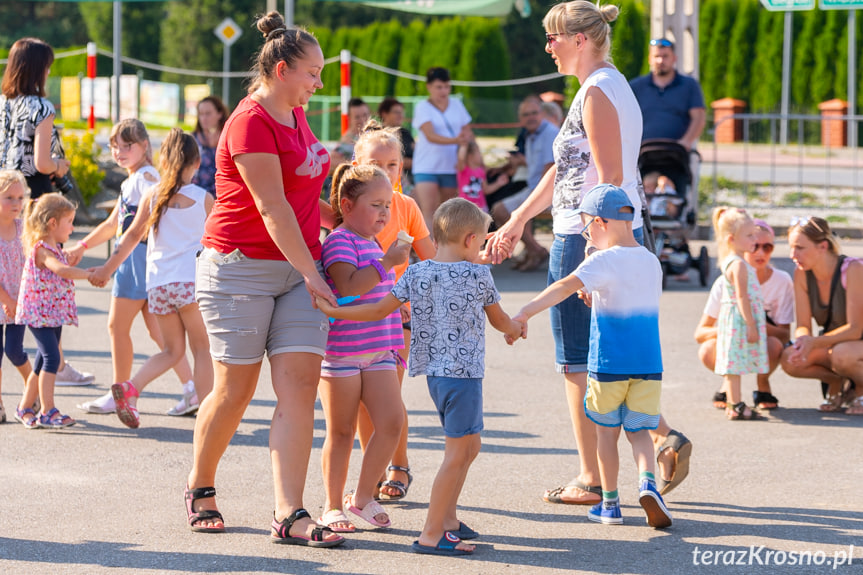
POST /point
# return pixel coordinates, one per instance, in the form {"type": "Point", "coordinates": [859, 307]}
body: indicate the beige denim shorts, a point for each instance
{"type": "Point", "coordinates": [252, 307]}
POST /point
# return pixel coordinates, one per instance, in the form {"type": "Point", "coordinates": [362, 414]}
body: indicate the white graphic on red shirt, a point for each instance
{"type": "Point", "coordinates": [316, 157]}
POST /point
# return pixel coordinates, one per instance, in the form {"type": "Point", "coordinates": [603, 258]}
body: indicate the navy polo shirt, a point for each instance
{"type": "Point", "coordinates": [666, 110]}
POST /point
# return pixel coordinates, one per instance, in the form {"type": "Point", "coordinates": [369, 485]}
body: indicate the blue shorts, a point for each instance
{"type": "Point", "coordinates": [442, 180]}
{"type": "Point", "coordinates": [571, 343]}
{"type": "Point", "coordinates": [459, 404]}
{"type": "Point", "coordinates": [130, 281]}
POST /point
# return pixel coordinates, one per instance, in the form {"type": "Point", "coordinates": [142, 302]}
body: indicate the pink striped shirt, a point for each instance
{"type": "Point", "coordinates": [358, 337]}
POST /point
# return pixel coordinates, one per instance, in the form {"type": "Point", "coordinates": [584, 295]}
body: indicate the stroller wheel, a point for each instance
{"type": "Point", "coordinates": [703, 266]}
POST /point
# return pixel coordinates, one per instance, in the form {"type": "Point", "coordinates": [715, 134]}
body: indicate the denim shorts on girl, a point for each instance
{"type": "Point", "coordinates": [350, 365]}
{"type": "Point", "coordinates": [130, 281]}
{"type": "Point", "coordinates": [570, 319]}
{"type": "Point", "coordinates": [442, 180]}
{"type": "Point", "coordinates": [459, 404]}
{"type": "Point", "coordinates": [251, 307]}
{"type": "Point", "coordinates": [170, 298]}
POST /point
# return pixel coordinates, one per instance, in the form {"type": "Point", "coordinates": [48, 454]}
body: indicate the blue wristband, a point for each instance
{"type": "Point", "coordinates": [343, 301]}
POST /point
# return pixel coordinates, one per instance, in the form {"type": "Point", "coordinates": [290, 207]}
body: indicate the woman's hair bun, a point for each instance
{"type": "Point", "coordinates": [609, 12]}
{"type": "Point", "coordinates": [270, 22]}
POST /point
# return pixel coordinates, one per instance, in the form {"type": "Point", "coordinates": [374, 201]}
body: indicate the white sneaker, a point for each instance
{"type": "Point", "coordinates": [69, 376]}
{"type": "Point", "coordinates": [189, 403]}
{"type": "Point", "coordinates": [103, 404]}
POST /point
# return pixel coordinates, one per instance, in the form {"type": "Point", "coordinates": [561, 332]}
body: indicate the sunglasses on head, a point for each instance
{"type": "Point", "coordinates": [663, 42]}
{"type": "Point", "coordinates": [766, 247]}
{"type": "Point", "coordinates": [802, 221]}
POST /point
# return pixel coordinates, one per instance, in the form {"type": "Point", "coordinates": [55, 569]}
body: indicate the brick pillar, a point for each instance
{"type": "Point", "coordinates": [729, 131]}
{"type": "Point", "coordinates": [834, 132]}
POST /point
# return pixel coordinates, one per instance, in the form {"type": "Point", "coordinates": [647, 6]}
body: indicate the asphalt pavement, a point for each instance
{"type": "Point", "coordinates": [776, 496]}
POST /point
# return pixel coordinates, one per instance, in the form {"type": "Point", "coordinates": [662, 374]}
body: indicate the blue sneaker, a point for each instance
{"type": "Point", "coordinates": [606, 512]}
{"type": "Point", "coordinates": [651, 501]}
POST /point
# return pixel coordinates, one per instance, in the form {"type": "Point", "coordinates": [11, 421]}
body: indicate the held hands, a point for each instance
{"type": "Point", "coordinates": [99, 276]}
{"type": "Point", "coordinates": [518, 328]}
{"type": "Point", "coordinates": [325, 305]}
{"type": "Point", "coordinates": [319, 289]}
{"type": "Point", "coordinates": [405, 312]}
{"type": "Point", "coordinates": [74, 255]}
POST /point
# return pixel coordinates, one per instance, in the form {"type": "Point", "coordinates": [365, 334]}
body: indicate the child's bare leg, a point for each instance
{"type": "Point", "coordinates": [451, 521]}
{"type": "Point", "coordinates": [609, 460]}
{"type": "Point", "coordinates": [199, 344]}
{"type": "Point", "coordinates": [378, 390]}
{"type": "Point", "coordinates": [120, 317]}
{"type": "Point", "coordinates": [732, 388]}
{"type": "Point", "coordinates": [458, 454]}
{"type": "Point", "coordinates": [31, 391]}
{"type": "Point", "coordinates": [774, 353]}
{"type": "Point", "coordinates": [46, 390]}
{"type": "Point", "coordinates": [339, 398]}
{"type": "Point", "coordinates": [173, 348]}
{"type": "Point", "coordinates": [181, 367]}
{"type": "Point", "coordinates": [642, 450]}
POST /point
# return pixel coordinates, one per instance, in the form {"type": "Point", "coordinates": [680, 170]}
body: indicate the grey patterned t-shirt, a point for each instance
{"type": "Point", "coordinates": [447, 316]}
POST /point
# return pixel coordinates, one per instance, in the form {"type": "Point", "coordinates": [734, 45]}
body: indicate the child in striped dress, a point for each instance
{"type": "Point", "coordinates": [361, 357]}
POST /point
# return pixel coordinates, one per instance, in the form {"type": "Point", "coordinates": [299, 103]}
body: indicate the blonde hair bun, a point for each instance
{"type": "Point", "coordinates": [609, 12]}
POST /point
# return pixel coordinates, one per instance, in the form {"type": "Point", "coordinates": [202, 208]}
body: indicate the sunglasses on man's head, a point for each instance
{"type": "Point", "coordinates": [662, 42]}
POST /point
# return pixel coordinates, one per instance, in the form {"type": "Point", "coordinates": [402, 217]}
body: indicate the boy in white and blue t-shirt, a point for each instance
{"type": "Point", "coordinates": [451, 296]}
{"type": "Point", "coordinates": [623, 282]}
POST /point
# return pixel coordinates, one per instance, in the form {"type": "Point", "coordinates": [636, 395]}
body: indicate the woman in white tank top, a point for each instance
{"type": "Point", "coordinates": [598, 143]}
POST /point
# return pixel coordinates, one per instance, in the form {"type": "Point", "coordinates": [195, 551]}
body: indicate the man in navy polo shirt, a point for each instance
{"type": "Point", "coordinates": [671, 103]}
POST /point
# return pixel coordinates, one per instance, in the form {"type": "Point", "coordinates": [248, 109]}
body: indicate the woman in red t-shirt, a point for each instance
{"type": "Point", "coordinates": [259, 265]}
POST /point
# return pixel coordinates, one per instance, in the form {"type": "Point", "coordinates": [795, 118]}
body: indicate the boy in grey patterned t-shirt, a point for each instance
{"type": "Point", "coordinates": [450, 295]}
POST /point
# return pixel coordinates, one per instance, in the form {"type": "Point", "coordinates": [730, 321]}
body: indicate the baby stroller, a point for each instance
{"type": "Point", "coordinates": [673, 208]}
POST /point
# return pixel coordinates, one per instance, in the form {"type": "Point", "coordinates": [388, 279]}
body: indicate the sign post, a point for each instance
{"type": "Point", "coordinates": [786, 6]}
{"type": "Point", "coordinates": [852, 6]}
{"type": "Point", "coordinates": [228, 32]}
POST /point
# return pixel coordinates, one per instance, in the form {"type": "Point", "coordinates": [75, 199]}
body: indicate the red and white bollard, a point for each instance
{"type": "Point", "coordinates": [91, 73]}
{"type": "Point", "coordinates": [345, 57]}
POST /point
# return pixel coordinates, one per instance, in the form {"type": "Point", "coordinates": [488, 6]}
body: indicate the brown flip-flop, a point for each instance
{"type": "Point", "coordinates": [682, 449]}
{"type": "Point", "coordinates": [554, 495]}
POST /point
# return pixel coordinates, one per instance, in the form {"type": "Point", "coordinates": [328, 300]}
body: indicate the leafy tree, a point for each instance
{"type": "Point", "coordinates": [715, 59]}
{"type": "Point", "coordinates": [765, 88]}
{"type": "Point", "coordinates": [629, 39]}
{"type": "Point", "coordinates": [525, 45]}
{"type": "Point", "coordinates": [58, 23]}
{"type": "Point", "coordinates": [386, 53]}
{"type": "Point", "coordinates": [804, 59]}
{"type": "Point", "coordinates": [141, 25]}
{"type": "Point", "coordinates": [706, 19]}
{"type": "Point", "coordinates": [188, 40]}
{"type": "Point", "coordinates": [410, 55]}
{"type": "Point", "coordinates": [827, 55]}
{"type": "Point", "coordinates": [741, 50]}
{"type": "Point", "coordinates": [484, 57]}
{"type": "Point", "coordinates": [442, 46]}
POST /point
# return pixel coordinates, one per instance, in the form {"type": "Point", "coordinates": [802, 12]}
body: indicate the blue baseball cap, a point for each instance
{"type": "Point", "coordinates": [606, 201]}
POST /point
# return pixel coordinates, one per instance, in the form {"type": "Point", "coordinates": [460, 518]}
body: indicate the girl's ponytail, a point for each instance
{"type": "Point", "coordinates": [179, 151]}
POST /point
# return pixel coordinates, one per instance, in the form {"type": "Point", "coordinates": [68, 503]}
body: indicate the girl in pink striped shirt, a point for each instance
{"type": "Point", "coordinates": [360, 361]}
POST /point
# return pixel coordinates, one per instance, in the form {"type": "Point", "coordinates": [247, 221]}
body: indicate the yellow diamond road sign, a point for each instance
{"type": "Point", "coordinates": [228, 31]}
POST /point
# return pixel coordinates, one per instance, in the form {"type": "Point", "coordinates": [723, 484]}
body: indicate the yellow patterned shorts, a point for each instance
{"type": "Point", "coordinates": [632, 401]}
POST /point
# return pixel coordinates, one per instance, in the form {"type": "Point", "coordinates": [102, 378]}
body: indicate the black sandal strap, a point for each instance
{"type": "Point", "coordinates": [284, 526]}
{"type": "Point", "coordinates": [200, 493]}
{"type": "Point", "coordinates": [318, 533]}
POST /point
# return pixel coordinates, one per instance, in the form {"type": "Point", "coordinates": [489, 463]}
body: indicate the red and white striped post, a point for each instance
{"type": "Point", "coordinates": [91, 73]}
{"type": "Point", "coordinates": [345, 57]}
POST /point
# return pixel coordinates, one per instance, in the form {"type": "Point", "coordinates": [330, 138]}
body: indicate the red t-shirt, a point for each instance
{"type": "Point", "coordinates": [235, 222]}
